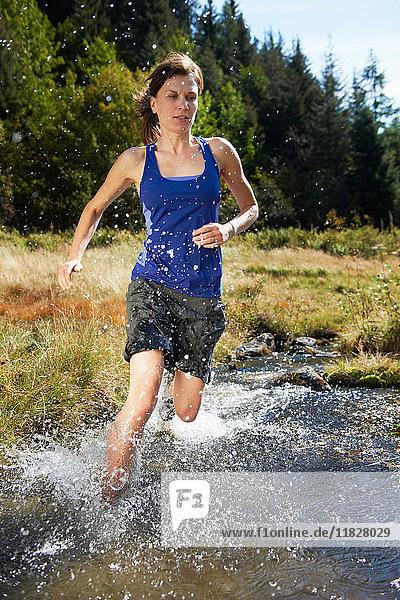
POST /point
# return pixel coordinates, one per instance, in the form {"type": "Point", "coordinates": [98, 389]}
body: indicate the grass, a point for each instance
{"type": "Point", "coordinates": [366, 370]}
{"type": "Point", "coordinates": [56, 374]}
{"type": "Point", "coordinates": [61, 352]}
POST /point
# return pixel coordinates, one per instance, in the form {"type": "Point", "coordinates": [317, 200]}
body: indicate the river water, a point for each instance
{"type": "Point", "coordinates": [59, 541]}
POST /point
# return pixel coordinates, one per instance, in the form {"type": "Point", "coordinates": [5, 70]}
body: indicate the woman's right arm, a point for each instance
{"type": "Point", "coordinates": [126, 169]}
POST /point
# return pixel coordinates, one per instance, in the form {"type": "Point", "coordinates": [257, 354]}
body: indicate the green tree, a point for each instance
{"type": "Point", "coordinates": [142, 30]}
{"type": "Point", "coordinates": [370, 192]}
{"type": "Point", "coordinates": [207, 26]}
{"type": "Point", "coordinates": [184, 12]}
{"type": "Point", "coordinates": [206, 123]}
{"type": "Point", "coordinates": [300, 101]}
{"type": "Point", "coordinates": [270, 106]}
{"type": "Point", "coordinates": [6, 185]}
{"type": "Point", "coordinates": [234, 47]}
{"type": "Point", "coordinates": [371, 86]}
{"type": "Point", "coordinates": [391, 144]}
{"type": "Point", "coordinates": [234, 125]}
{"type": "Point", "coordinates": [89, 18]}
{"type": "Point", "coordinates": [56, 10]}
{"type": "Point", "coordinates": [331, 143]}
{"type": "Point", "coordinates": [86, 137]}
{"type": "Point", "coordinates": [8, 70]}
{"type": "Point", "coordinates": [276, 210]}
{"type": "Point", "coordinates": [33, 46]}
{"type": "Point", "coordinates": [205, 35]}
{"type": "Point", "coordinates": [181, 42]}
{"type": "Point", "coordinates": [295, 151]}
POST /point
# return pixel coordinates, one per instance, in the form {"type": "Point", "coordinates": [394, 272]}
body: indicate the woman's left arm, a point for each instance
{"type": "Point", "coordinates": [230, 166]}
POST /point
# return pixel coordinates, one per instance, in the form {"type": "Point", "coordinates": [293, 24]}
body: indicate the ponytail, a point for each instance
{"type": "Point", "coordinates": [150, 130]}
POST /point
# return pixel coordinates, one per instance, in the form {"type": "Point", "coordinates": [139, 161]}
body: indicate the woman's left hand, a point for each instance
{"type": "Point", "coordinates": [212, 235]}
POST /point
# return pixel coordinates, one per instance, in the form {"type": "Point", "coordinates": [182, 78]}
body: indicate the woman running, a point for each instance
{"type": "Point", "coordinates": [174, 308]}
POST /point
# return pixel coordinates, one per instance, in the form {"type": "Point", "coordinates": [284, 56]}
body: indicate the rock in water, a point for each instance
{"type": "Point", "coordinates": [260, 346]}
{"type": "Point", "coordinates": [303, 344]}
{"type": "Point", "coordinates": [305, 376]}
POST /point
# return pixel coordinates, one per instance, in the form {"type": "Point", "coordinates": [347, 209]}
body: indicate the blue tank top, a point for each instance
{"type": "Point", "coordinates": [173, 208]}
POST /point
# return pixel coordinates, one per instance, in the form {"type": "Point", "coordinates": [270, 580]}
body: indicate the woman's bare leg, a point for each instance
{"type": "Point", "coordinates": [146, 369]}
{"type": "Point", "coordinates": [187, 392]}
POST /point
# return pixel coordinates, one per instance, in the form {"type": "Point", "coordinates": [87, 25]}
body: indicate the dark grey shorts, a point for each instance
{"type": "Point", "coordinates": [185, 327]}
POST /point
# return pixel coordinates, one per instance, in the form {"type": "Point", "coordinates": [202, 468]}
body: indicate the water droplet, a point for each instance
{"type": "Point", "coordinates": [16, 137]}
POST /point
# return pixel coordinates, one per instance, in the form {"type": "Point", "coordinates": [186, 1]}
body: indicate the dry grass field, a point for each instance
{"type": "Point", "coordinates": [61, 351]}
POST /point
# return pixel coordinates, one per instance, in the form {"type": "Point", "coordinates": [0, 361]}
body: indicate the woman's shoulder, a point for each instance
{"type": "Point", "coordinates": [134, 153]}
{"type": "Point", "coordinates": [221, 148]}
{"type": "Point", "coordinates": [219, 145]}
{"type": "Point", "coordinates": [132, 161]}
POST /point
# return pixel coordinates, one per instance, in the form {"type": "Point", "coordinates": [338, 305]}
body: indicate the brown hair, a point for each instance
{"type": "Point", "coordinates": [175, 63]}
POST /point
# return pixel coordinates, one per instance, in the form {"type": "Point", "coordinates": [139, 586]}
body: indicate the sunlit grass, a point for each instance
{"type": "Point", "coordinates": [366, 370]}
{"type": "Point", "coordinates": [61, 359]}
{"type": "Point", "coordinates": [57, 374]}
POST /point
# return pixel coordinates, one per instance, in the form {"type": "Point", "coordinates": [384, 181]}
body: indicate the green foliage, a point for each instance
{"type": "Point", "coordinates": [181, 42]}
{"type": "Point", "coordinates": [143, 29]}
{"type": "Point", "coordinates": [391, 145]}
{"type": "Point", "coordinates": [233, 123]}
{"type": "Point", "coordinates": [275, 207]}
{"type": "Point", "coordinates": [206, 118]}
{"type": "Point", "coordinates": [244, 316]}
{"type": "Point", "coordinates": [233, 45]}
{"type": "Point", "coordinates": [66, 100]}
{"type": "Point", "coordinates": [365, 241]}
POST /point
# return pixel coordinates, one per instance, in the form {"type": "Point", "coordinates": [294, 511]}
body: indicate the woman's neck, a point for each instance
{"type": "Point", "coordinates": [175, 144]}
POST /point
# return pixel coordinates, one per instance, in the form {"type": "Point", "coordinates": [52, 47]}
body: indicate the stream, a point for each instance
{"type": "Point", "coordinates": [58, 540]}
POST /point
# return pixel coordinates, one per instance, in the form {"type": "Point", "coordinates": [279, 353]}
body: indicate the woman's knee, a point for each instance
{"type": "Point", "coordinates": [188, 393]}
{"type": "Point", "coordinates": [187, 417]}
{"type": "Point", "coordinates": [188, 413]}
{"type": "Point", "coordinates": [137, 409]}
{"type": "Point", "coordinates": [146, 371]}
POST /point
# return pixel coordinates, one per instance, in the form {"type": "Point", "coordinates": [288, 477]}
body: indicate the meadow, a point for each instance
{"type": "Point", "coordinates": [61, 351]}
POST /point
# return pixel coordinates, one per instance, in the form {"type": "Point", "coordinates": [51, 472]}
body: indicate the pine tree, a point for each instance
{"type": "Point", "coordinates": [8, 70]}
{"type": "Point", "coordinates": [371, 84]}
{"type": "Point", "coordinates": [368, 182]}
{"type": "Point", "coordinates": [184, 12]}
{"type": "Point", "coordinates": [331, 124]}
{"type": "Point", "coordinates": [234, 47]}
{"type": "Point", "coordinates": [207, 27]}
{"type": "Point", "coordinates": [205, 37]}
{"type": "Point", "coordinates": [56, 10]}
{"type": "Point", "coordinates": [89, 18]}
{"type": "Point", "coordinates": [302, 94]}
{"type": "Point", "coordinates": [391, 144]}
{"type": "Point", "coordinates": [331, 143]}
{"type": "Point", "coordinates": [142, 30]}
{"type": "Point", "coordinates": [271, 115]}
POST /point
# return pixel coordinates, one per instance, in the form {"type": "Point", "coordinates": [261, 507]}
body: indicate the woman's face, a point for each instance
{"type": "Point", "coordinates": [176, 103]}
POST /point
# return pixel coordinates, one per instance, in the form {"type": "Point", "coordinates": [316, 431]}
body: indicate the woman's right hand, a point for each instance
{"type": "Point", "coordinates": [64, 272]}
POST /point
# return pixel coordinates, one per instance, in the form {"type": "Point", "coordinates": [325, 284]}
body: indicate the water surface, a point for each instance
{"type": "Point", "coordinates": [59, 540]}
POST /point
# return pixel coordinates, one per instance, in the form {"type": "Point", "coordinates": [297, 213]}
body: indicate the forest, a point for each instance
{"type": "Point", "coordinates": [317, 153]}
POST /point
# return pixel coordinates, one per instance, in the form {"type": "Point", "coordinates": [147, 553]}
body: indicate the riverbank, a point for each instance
{"type": "Point", "coordinates": [60, 352]}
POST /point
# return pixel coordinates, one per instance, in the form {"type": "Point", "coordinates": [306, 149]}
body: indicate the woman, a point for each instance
{"type": "Point", "coordinates": [174, 308]}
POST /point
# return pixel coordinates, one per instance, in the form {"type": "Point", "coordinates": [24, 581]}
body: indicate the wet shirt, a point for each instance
{"type": "Point", "coordinates": [173, 208]}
